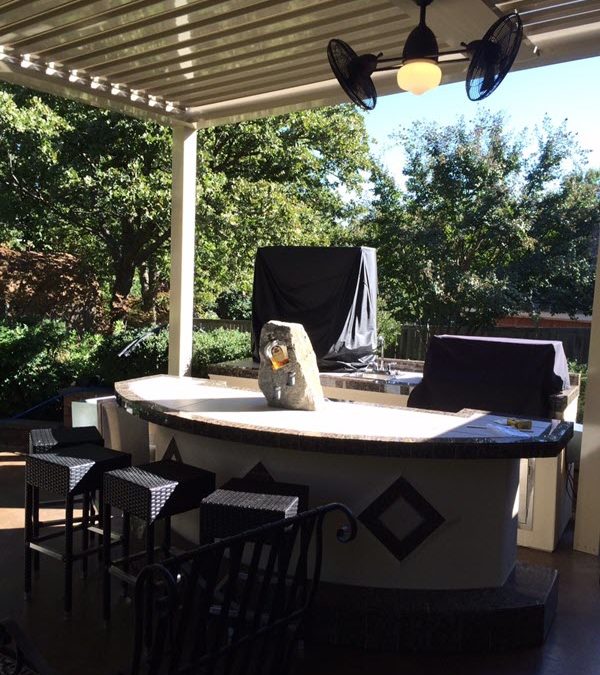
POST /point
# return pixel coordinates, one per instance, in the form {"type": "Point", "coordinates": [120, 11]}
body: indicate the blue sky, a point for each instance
{"type": "Point", "coordinates": [564, 91]}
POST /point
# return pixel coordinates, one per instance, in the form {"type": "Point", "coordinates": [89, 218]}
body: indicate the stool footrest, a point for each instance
{"type": "Point", "coordinates": [54, 535]}
{"type": "Point", "coordinates": [60, 556]}
{"type": "Point", "coordinates": [120, 574]}
{"type": "Point", "coordinates": [46, 551]}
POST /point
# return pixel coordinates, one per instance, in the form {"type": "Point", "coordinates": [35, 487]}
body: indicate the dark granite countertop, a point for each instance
{"type": "Point", "coordinates": [211, 409]}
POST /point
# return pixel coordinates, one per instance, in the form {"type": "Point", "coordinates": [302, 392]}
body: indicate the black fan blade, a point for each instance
{"type": "Point", "coordinates": [353, 72]}
{"type": "Point", "coordinates": [493, 56]}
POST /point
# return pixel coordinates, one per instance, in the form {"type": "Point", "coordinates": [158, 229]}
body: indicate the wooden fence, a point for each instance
{"type": "Point", "coordinates": [244, 325]}
{"type": "Point", "coordinates": [413, 340]}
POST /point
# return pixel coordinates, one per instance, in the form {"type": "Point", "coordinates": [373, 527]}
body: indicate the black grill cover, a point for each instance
{"type": "Point", "coordinates": [505, 377]}
{"type": "Point", "coordinates": [331, 291]}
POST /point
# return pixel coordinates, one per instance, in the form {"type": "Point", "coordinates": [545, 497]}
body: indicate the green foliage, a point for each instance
{"type": "Point", "coordinates": [387, 327]}
{"type": "Point", "coordinates": [149, 357]}
{"type": "Point", "coordinates": [39, 359]}
{"type": "Point", "coordinates": [97, 184]}
{"type": "Point", "coordinates": [84, 180]}
{"type": "Point", "coordinates": [216, 346]}
{"type": "Point", "coordinates": [273, 181]}
{"type": "Point", "coordinates": [234, 304]}
{"type": "Point", "coordinates": [485, 225]}
{"type": "Point", "coordinates": [582, 369]}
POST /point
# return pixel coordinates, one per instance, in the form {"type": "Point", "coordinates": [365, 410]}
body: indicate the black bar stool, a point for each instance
{"type": "Point", "coordinates": [71, 471]}
{"type": "Point", "coordinates": [49, 440]}
{"type": "Point", "coordinates": [150, 492]}
{"type": "Point", "coordinates": [246, 503]}
{"type": "Point", "coordinates": [225, 515]}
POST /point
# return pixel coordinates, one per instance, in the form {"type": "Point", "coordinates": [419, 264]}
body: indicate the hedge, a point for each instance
{"type": "Point", "coordinates": [36, 360]}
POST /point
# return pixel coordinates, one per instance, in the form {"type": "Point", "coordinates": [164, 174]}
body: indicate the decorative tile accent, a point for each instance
{"type": "Point", "coordinates": [172, 452]}
{"type": "Point", "coordinates": [428, 518]}
{"type": "Point", "coordinates": [259, 472]}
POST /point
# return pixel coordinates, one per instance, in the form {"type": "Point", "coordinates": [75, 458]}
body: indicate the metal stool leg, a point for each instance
{"type": "Point", "coordinates": [106, 576]}
{"type": "Point", "coordinates": [85, 540]}
{"type": "Point", "coordinates": [28, 536]}
{"type": "Point", "coordinates": [68, 556]}
{"type": "Point", "coordinates": [93, 517]}
{"type": "Point", "coordinates": [36, 526]}
{"type": "Point", "coordinates": [101, 521]}
{"type": "Point", "coordinates": [149, 589]}
{"type": "Point", "coordinates": [167, 537]}
{"type": "Point", "coordinates": [125, 548]}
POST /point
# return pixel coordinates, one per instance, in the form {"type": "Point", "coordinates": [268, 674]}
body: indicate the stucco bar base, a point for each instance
{"type": "Point", "coordinates": [475, 546]}
{"type": "Point", "coordinates": [458, 591]}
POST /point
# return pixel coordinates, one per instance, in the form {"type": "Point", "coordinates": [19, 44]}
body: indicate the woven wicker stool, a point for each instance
{"type": "Point", "coordinates": [254, 500]}
{"type": "Point", "coordinates": [150, 492]}
{"type": "Point", "coordinates": [221, 520]}
{"type": "Point", "coordinates": [77, 470]}
{"type": "Point", "coordinates": [49, 440]}
{"type": "Point", "coordinates": [228, 512]}
{"type": "Point", "coordinates": [269, 486]}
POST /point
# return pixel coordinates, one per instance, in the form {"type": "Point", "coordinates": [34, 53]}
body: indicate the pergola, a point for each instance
{"type": "Point", "coordinates": [190, 64]}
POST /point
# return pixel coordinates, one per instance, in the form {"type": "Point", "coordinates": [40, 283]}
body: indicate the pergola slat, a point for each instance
{"type": "Point", "coordinates": [200, 53]}
{"type": "Point", "coordinates": [246, 60]}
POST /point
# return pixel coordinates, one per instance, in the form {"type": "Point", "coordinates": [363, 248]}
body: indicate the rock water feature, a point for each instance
{"type": "Point", "coordinates": [288, 375]}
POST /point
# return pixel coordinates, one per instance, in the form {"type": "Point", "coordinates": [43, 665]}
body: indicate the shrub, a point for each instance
{"type": "Point", "coordinates": [148, 357]}
{"type": "Point", "coordinates": [216, 346]}
{"type": "Point", "coordinates": [39, 359]}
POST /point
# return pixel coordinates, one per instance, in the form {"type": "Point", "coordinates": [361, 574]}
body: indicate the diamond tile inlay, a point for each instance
{"type": "Point", "coordinates": [401, 493]}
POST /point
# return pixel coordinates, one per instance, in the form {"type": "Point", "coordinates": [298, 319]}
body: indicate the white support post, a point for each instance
{"type": "Point", "coordinates": [587, 519]}
{"type": "Point", "coordinates": [183, 218]}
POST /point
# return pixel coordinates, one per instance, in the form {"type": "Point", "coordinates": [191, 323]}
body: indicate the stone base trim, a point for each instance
{"type": "Point", "coordinates": [518, 614]}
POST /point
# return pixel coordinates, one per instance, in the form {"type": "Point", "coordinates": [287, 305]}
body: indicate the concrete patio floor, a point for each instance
{"type": "Point", "coordinates": [81, 645]}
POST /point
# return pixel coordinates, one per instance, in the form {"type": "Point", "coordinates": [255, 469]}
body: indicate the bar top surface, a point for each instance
{"type": "Point", "coordinates": [209, 408]}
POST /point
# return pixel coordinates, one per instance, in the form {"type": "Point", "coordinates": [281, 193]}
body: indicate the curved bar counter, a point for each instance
{"type": "Point", "coordinates": [436, 495]}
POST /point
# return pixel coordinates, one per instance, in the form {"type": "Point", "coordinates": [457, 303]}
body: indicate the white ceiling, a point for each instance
{"type": "Point", "coordinates": [204, 62]}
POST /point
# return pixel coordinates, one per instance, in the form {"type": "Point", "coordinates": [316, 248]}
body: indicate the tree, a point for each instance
{"type": "Point", "coordinates": [273, 181]}
{"type": "Point", "coordinates": [557, 274]}
{"type": "Point", "coordinates": [483, 224]}
{"type": "Point", "coordinates": [97, 184]}
{"type": "Point", "coordinates": [91, 182]}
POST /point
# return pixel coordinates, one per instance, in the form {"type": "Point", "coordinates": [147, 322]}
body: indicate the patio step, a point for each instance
{"type": "Point", "coordinates": [14, 434]}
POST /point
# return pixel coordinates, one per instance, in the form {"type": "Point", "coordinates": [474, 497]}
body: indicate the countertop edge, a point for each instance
{"type": "Point", "coordinates": [441, 448]}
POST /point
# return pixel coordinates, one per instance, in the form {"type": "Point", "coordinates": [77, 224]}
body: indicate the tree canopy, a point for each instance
{"type": "Point", "coordinates": [97, 184]}
{"type": "Point", "coordinates": [487, 223]}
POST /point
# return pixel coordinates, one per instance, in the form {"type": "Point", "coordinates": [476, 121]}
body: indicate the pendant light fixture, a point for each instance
{"type": "Point", "coordinates": [420, 71]}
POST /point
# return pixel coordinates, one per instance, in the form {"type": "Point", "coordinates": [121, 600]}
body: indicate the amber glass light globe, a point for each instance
{"type": "Point", "coordinates": [419, 76]}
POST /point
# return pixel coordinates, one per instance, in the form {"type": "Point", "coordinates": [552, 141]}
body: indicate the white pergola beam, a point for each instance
{"type": "Point", "coordinates": [36, 77]}
{"type": "Point", "coordinates": [587, 521]}
{"type": "Point", "coordinates": [183, 221]}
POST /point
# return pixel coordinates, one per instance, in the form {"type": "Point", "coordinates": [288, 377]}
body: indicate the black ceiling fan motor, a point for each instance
{"type": "Point", "coordinates": [353, 72]}
{"type": "Point", "coordinates": [493, 56]}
